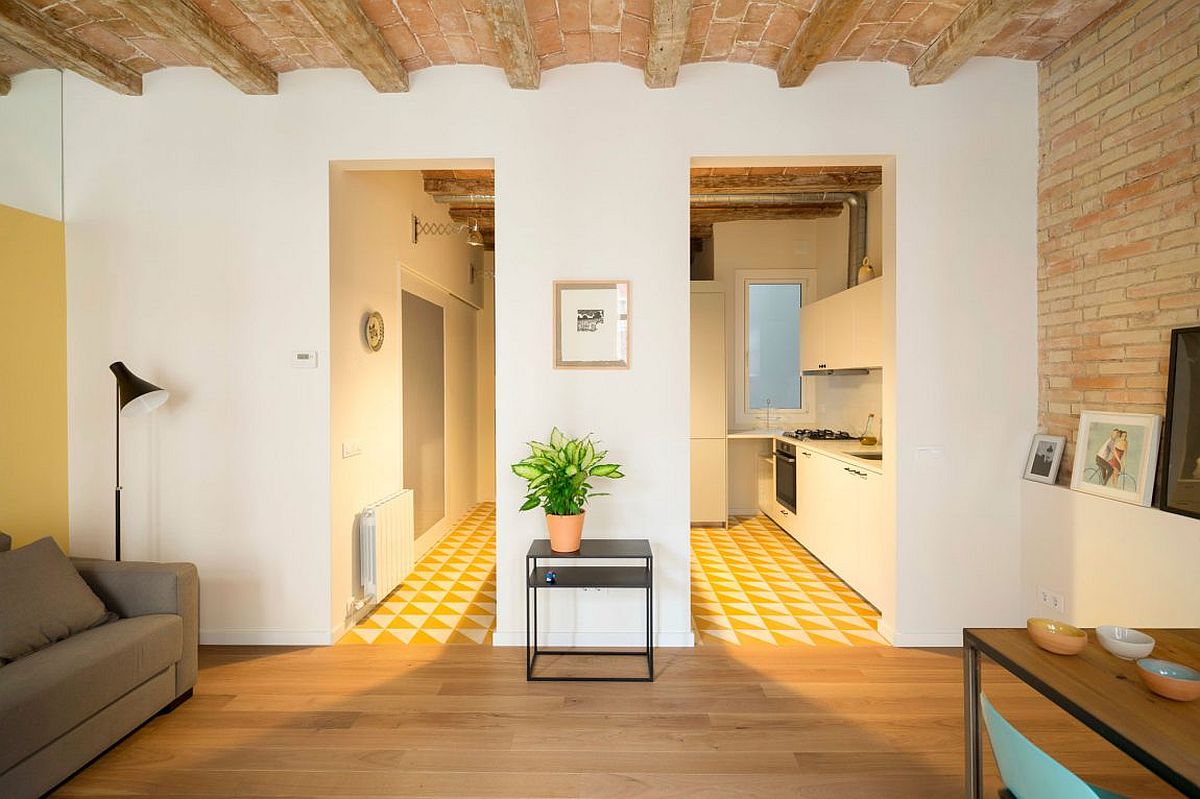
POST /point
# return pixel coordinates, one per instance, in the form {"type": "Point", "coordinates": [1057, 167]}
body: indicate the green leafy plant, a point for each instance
{"type": "Point", "coordinates": [559, 473]}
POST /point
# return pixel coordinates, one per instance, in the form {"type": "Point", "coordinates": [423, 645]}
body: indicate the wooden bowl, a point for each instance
{"type": "Point", "coordinates": [1172, 680]}
{"type": "Point", "coordinates": [1056, 636]}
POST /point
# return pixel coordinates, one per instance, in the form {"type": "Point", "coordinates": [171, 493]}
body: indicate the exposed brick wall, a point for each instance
{"type": "Point", "coordinates": [1118, 195]}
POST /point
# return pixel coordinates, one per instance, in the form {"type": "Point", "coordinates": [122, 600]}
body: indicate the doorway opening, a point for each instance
{"type": "Point", "coordinates": [788, 524]}
{"type": "Point", "coordinates": [412, 402]}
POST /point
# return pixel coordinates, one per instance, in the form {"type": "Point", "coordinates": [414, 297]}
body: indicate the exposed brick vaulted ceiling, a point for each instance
{"type": "Point", "coordinates": [285, 35]}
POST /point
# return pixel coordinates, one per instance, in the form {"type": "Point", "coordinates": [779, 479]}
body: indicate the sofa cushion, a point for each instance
{"type": "Point", "coordinates": [46, 694]}
{"type": "Point", "coordinates": [42, 600]}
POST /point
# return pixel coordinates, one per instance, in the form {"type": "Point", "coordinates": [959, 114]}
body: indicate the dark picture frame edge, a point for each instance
{"type": "Point", "coordinates": [1164, 467]}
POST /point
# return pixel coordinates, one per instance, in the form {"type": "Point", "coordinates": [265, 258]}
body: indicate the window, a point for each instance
{"type": "Point", "coordinates": [768, 325]}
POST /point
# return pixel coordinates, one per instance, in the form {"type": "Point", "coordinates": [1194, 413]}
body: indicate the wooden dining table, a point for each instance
{"type": "Point", "coordinates": [1100, 690]}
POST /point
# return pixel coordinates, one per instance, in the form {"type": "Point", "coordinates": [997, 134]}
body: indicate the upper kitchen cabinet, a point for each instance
{"type": "Point", "coordinates": [843, 331]}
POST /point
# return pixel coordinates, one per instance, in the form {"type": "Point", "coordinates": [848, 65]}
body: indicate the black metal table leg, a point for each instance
{"type": "Point", "coordinates": [650, 616]}
{"type": "Point", "coordinates": [971, 719]}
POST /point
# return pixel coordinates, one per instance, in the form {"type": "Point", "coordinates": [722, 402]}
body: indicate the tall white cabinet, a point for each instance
{"type": "Point", "coordinates": [709, 416]}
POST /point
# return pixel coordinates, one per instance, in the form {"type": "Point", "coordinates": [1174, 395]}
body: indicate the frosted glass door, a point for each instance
{"type": "Point", "coordinates": [424, 379]}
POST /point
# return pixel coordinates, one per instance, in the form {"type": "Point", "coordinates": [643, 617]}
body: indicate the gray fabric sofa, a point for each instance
{"type": "Point", "coordinates": [62, 706]}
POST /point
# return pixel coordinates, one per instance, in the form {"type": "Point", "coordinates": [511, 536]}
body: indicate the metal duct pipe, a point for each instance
{"type": "Point", "coordinates": [856, 201]}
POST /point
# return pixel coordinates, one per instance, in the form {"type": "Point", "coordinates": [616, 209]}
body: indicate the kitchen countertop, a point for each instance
{"type": "Point", "coordinates": [755, 434]}
{"type": "Point", "coordinates": [841, 450]}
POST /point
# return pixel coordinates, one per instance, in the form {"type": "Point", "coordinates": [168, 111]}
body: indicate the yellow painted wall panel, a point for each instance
{"type": "Point", "coordinates": [33, 389]}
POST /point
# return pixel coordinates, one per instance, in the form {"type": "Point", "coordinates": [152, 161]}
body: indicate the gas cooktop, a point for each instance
{"type": "Point", "coordinates": [819, 435]}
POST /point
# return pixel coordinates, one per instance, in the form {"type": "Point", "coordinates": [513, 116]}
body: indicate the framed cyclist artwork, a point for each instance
{"type": "Point", "coordinates": [1116, 455]}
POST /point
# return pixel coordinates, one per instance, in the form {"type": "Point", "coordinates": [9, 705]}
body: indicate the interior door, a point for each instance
{"type": "Point", "coordinates": [423, 370]}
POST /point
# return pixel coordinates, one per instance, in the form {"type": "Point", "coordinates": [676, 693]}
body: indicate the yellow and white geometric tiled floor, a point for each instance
{"type": "Point", "coordinates": [450, 598]}
{"type": "Point", "coordinates": [753, 584]}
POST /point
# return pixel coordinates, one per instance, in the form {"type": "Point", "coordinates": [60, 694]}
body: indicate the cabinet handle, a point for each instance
{"type": "Point", "coordinates": [783, 511]}
{"type": "Point", "coordinates": [806, 454]}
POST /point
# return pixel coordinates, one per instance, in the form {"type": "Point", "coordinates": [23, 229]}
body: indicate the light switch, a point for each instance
{"type": "Point", "coordinates": [351, 448]}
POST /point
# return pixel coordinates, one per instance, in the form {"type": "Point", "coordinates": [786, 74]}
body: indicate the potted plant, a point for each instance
{"type": "Point", "coordinates": [559, 475]}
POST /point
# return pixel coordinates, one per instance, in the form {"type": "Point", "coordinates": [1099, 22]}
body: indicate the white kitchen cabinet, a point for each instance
{"type": "Point", "coordinates": [868, 325]}
{"type": "Point", "coordinates": [839, 519]}
{"type": "Point", "coordinates": [812, 335]}
{"type": "Point", "coordinates": [844, 330]}
{"type": "Point", "coordinates": [708, 481]}
{"type": "Point", "coordinates": [766, 483]}
{"type": "Point", "coordinates": [709, 421]}
{"type": "Point", "coordinates": [838, 339]}
{"type": "Point", "coordinates": [877, 558]}
{"type": "Point", "coordinates": [708, 387]}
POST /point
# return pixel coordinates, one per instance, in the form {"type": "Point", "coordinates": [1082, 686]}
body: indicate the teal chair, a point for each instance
{"type": "Point", "coordinates": [1028, 772]}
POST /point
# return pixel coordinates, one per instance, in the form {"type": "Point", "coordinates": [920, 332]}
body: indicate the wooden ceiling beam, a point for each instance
{"type": "Point", "coordinates": [5, 85]}
{"type": "Point", "coordinates": [514, 42]}
{"type": "Point", "coordinates": [35, 33]}
{"type": "Point", "coordinates": [785, 184]}
{"type": "Point", "coordinates": [360, 42]}
{"type": "Point", "coordinates": [975, 26]}
{"type": "Point", "coordinates": [183, 22]}
{"type": "Point", "coordinates": [668, 32]}
{"type": "Point", "coordinates": [826, 27]}
{"type": "Point", "coordinates": [456, 186]}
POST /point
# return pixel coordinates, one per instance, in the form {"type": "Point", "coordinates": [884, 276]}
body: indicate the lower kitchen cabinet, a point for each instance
{"type": "Point", "coordinates": [766, 482]}
{"type": "Point", "coordinates": [840, 519]}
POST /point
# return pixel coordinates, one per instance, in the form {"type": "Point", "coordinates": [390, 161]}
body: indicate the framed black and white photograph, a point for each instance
{"type": "Point", "coordinates": [1181, 438]}
{"type": "Point", "coordinates": [1045, 456]}
{"type": "Point", "coordinates": [591, 324]}
{"type": "Point", "coordinates": [1116, 455]}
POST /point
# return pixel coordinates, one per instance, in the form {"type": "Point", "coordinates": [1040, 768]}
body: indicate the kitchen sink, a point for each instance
{"type": "Point", "coordinates": [868, 456]}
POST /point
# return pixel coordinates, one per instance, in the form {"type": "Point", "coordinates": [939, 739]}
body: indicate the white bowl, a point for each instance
{"type": "Point", "coordinates": [1124, 642]}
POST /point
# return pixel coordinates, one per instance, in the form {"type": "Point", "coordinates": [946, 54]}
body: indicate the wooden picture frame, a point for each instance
{"type": "Point", "coordinates": [1045, 458]}
{"type": "Point", "coordinates": [591, 324]}
{"type": "Point", "coordinates": [1180, 491]}
{"type": "Point", "coordinates": [1116, 455]}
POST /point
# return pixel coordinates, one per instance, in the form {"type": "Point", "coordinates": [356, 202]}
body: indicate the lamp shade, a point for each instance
{"type": "Point", "coordinates": [137, 396]}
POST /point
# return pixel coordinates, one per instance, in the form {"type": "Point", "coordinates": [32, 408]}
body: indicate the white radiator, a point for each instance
{"type": "Point", "coordinates": [385, 538]}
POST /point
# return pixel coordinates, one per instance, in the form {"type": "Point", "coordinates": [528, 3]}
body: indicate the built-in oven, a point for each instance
{"type": "Point", "coordinates": [785, 475]}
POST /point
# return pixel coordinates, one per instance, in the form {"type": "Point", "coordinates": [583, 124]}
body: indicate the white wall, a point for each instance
{"type": "Point", "coordinates": [198, 250]}
{"type": "Point", "coordinates": [1113, 563]}
{"type": "Point", "coordinates": [485, 389]}
{"type": "Point", "coordinates": [31, 143]}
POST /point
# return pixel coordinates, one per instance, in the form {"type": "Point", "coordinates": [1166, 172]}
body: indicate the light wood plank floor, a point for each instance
{"type": "Point", "coordinates": [462, 722]}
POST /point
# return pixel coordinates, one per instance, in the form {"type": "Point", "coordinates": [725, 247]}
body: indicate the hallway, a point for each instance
{"type": "Point", "coordinates": [450, 598]}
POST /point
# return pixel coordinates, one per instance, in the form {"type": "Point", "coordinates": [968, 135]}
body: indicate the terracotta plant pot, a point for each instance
{"type": "Point", "coordinates": [565, 532]}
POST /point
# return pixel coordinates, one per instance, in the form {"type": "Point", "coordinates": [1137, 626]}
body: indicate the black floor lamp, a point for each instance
{"type": "Point", "coordinates": [135, 397]}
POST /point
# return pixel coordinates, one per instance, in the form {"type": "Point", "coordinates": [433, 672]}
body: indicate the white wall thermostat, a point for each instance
{"type": "Point", "coordinates": [304, 359]}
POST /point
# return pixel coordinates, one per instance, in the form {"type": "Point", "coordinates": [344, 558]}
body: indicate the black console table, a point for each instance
{"type": "Point", "coordinates": [580, 574]}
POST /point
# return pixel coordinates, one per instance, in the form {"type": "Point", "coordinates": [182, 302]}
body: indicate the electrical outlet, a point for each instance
{"type": "Point", "coordinates": [1051, 600]}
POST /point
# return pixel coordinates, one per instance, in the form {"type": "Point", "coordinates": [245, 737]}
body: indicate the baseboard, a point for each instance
{"type": "Point", "coordinates": [272, 637]}
{"type": "Point", "coordinates": [927, 639]}
{"type": "Point", "coordinates": [884, 628]}
{"type": "Point", "coordinates": [744, 511]}
{"type": "Point", "coordinates": [600, 638]}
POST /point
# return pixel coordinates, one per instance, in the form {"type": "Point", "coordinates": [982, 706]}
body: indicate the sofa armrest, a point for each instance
{"type": "Point", "coordinates": [130, 588]}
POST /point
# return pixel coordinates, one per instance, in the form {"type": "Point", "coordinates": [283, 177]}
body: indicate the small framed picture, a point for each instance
{"type": "Point", "coordinates": [591, 324]}
{"type": "Point", "coordinates": [1045, 456]}
{"type": "Point", "coordinates": [1181, 436]}
{"type": "Point", "coordinates": [1116, 455]}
